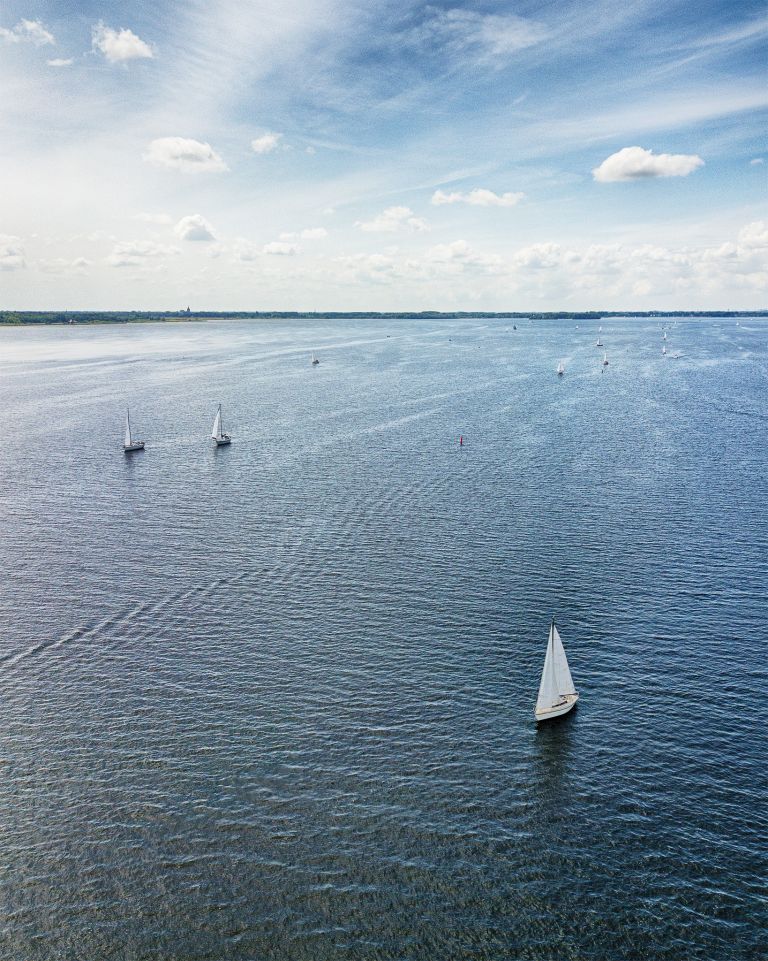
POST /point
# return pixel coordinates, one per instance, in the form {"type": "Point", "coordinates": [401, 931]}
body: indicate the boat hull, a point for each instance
{"type": "Point", "coordinates": [130, 448]}
{"type": "Point", "coordinates": [558, 710]}
{"type": "Point", "coordinates": [223, 441]}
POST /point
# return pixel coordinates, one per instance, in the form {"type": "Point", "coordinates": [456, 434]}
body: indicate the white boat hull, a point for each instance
{"type": "Point", "coordinates": [128, 448]}
{"type": "Point", "coordinates": [223, 440]}
{"type": "Point", "coordinates": [568, 702]}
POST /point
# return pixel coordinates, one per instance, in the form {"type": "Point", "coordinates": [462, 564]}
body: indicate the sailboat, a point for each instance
{"type": "Point", "coordinates": [665, 335]}
{"type": "Point", "coordinates": [129, 444]}
{"type": "Point", "coordinates": [560, 369]}
{"type": "Point", "coordinates": [664, 350]}
{"type": "Point", "coordinates": [598, 342]}
{"type": "Point", "coordinates": [557, 695]}
{"type": "Point", "coordinates": [605, 358]}
{"type": "Point", "coordinates": [315, 361]}
{"type": "Point", "coordinates": [217, 433]}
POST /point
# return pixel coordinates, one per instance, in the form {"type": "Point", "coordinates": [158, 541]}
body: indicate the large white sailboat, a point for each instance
{"type": "Point", "coordinates": [557, 695]}
{"type": "Point", "coordinates": [218, 433]}
{"type": "Point", "coordinates": [129, 444]}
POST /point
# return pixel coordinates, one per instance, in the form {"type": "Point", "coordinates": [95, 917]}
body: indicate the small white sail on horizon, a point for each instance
{"type": "Point", "coordinates": [560, 369]}
{"type": "Point", "coordinates": [217, 433]}
{"type": "Point", "coordinates": [605, 358]}
{"type": "Point", "coordinates": [557, 693]}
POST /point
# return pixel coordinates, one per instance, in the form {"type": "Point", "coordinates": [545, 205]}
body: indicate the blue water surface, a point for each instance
{"type": "Point", "coordinates": [275, 700]}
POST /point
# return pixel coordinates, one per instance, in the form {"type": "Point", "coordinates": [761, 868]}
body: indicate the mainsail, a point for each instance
{"type": "Point", "coordinates": [216, 434]}
{"type": "Point", "coordinates": [563, 677]}
{"type": "Point", "coordinates": [127, 441]}
{"type": "Point", "coordinates": [549, 694]}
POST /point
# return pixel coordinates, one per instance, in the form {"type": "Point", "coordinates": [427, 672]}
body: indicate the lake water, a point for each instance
{"type": "Point", "coordinates": [275, 701]}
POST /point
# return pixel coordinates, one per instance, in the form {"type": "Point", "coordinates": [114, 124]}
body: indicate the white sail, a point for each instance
{"type": "Point", "coordinates": [562, 672]}
{"type": "Point", "coordinates": [560, 368]}
{"type": "Point", "coordinates": [549, 694]}
{"type": "Point", "coordinates": [127, 440]}
{"type": "Point", "coordinates": [216, 432]}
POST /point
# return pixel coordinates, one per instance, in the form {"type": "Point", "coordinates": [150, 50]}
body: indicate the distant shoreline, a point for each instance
{"type": "Point", "coordinates": [23, 318]}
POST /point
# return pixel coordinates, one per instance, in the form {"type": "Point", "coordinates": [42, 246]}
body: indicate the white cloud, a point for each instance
{"type": "Point", "coordinates": [194, 227]}
{"type": "Point", "coordinates": [539, 256]}
{"type": "Point", "coordinates": [139, 253]}
{"type": "Point", "coordinates": [60, 62]}
{"type": "Point", "coordinates": [266, 143]}
{"type": "Point", "coordinates": [392, 219]}
{"type": "Point", "coordinates": [61, 265]}
{"type": "Point", "coordinates": [482, 38]}
{"type": "Point", "coordinates": [280, 249]}
{"type": "Point", "coordinates": [28, 31]}
{"type": "Point", "coordinates": [459, 252]}
{"type": "Point", "coordinates": [636, 163]}
{"type": "Point", "coordinates": [185, 154]}
{"type": "Point", "coordinates": [754, 235]}
{"type": "Point", "coordinates": [245, 250]}
{"type": "Point", "coordinates": [12, 256]}
{"type": "Point", "coordinates": [119, 45]}
{"type": "Point", "coordinates": [756, 161]}
{"type": "Point", "coordinates": [314, 233]}
{"type": "Point", "coordinates": [162, 220]}
{"type": "Point", "coordinates": [479, 197]}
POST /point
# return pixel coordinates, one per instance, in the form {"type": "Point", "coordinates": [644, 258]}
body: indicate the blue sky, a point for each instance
{"type": "Point", "coordinates": [316, 154]}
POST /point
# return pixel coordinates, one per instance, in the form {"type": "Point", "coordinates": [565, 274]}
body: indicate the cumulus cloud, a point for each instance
{"type": "Point", "coordinates": [118, 46]}
{"type": "Point", "coordinates": [314, 233]}
{"type": "Point", "coordinates": [392, 219]}
{"type": "Point", "coordinates": [60, 62]}
{"type": "Point", "coordinates": [459, 252]}
{"type": "Point", "coordinates": [756, 161]}
{"type": "Point", "coordinates": [266, 143]}
{"type": "Point", "coordinates": [245, 250]}
{"type": "Point", "coordinates": [185, 154]}
{"type": "Point", "coordinates": [139, 253]}
{"type": "Point", "coordinates": [280, 248]}
{"type": "Point", "coordinates": [12, 256]}
{"type": "Point", "coordinates": [479, 197]}
{"type": "Point", "coordinates": [636, 163]}
{"type": "Point", "coordinates": [28, 31]}
{"type": "Point", "coordinates": [754, 235]}
{"type": "Point", "coordinates": [194, 227]}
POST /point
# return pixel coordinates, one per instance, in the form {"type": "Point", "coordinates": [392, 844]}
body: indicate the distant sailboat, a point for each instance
{"type": "Point", "coordinates": [557, 695]}
{"type": "Point", "coordinates": [605, 358]}
{"type": "Point", "coordinates": [664, 350]}
{"type": "Point", "coordinates": [560, 369]}
{"type": "Point", "coordinates": [315, 361]}
{"type": "Point", "coordinates": [217, 433]}
{"type": "Point", "coordinates": [598, 342]}
{"type": "Point", "coordinates": [664, 336]}
{"type": "Point", "coordinates": [129, 444]}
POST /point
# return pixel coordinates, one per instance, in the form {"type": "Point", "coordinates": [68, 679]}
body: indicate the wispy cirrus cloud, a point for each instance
{"type": "Point", "coordinates": [636, 163]}
{"type": "Point", "coordinates": [481, 37]}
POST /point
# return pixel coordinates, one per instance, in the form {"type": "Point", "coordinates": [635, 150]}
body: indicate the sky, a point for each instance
{"type": "Point", "coordinates": [383, 155]}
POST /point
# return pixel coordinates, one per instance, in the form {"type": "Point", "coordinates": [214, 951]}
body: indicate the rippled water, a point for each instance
{"type": "Point", "coordinates": [275, 701]}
